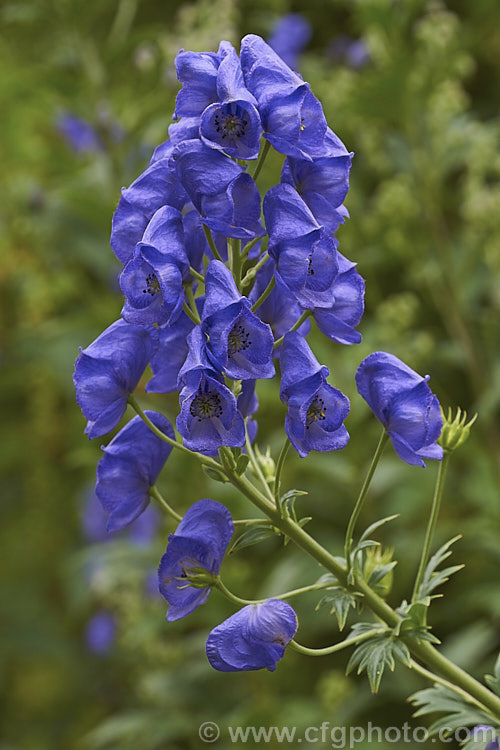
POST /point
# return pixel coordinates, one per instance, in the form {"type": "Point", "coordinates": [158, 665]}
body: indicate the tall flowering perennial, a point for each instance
{"type": "Point", "coordinates": [222, 288]}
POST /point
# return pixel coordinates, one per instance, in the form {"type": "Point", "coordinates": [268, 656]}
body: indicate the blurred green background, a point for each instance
{"type": "Point", "coordinates": [422, 115]}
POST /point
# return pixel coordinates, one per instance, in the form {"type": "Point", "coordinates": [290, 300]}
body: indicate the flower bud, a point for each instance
{"type": "Point", "coordinates": [378, 569]}
{"type": "Point", "coordinates": [266, 463]}
{"type": "Point", "coordinates": [455, 431]}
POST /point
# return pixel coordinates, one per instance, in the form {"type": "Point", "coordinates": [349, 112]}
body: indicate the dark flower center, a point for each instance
{"type": "Point", "coordinates": [232, 123]}
{"type": "Point", "coordinates": [206, 406]}
{"type": "Point", "coordinates": [238, 339]}
{"type": "Point", "coordinates": [302, 125]}
{"type": "Point", "coordinates": [310, 269]}
{"type": "Point", "coordinates": [316, 412]}
{"type": "Point", "coordinates": [152, 285]}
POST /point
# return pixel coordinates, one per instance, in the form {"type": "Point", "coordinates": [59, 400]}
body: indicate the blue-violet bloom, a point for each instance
{"type": "Point", "coordinates": [305, 254]}
{"type": "Point", "coordinates": [291, 116]}
{"type": "Point", "coordinates": [157, 186]}
{"type": "Point", "coordinates": [224, 194]}
{"type": "Point", "coordinates": [100, 632]}
{"type": "Point", "coordinates": [401, 399]}
{"type": "Point", "coordinates": [323, 184]}
{"type": "Point", "coordinates": [108, 371]}
{"type": "Point", "coordinates": [131, 464]}
{"type": "Point", "coordinates": [232, 124]}
{"type": "Point", "coordinates": [170, 355]}
{"type": "Point", "coordinates": [152, 281]}
{"type": "Point", "coordinates": [240, 343]}
{"type": "Point", "coordinates": [338, 322]}
{"type": "Point", "coordinates": [209, 417]}
{"type": "Point", "coordinates": [253, 638]}
{"type": "Point", "coordinates": [316, 410]}
{"type": "Point", "coordinates": [200, 541]}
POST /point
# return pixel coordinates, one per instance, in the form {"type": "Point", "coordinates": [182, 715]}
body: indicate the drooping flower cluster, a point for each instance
{"type": "Point", "coordinates": [218, 283]}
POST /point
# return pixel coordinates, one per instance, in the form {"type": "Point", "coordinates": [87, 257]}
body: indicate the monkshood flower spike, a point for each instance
{"type": "Point", "coordinates": [214, 303]}
{"type": "Point", "coordinates": [108, 371]}
{"type": "Point", "coordinates": [403, 402]}
{"type": "Point", "coordinates": [131, 464]}
{"type": "Point", "coordinates": [254, 638]}
{"type": "Point", "coordinates": [199, 544]}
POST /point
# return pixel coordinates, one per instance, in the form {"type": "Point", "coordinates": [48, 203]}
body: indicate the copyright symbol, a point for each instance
{"type": "Point", "coordinates": [209, 731]}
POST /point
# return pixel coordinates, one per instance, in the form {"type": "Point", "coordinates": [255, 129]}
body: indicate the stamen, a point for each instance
{"type": "Point", "coordinates": [316, 412]}
{"type": "Point", "coordinates": [230, 124]}
{"type": "Point", "coordinates": [310, 269]}
{"type": "Point", "coordinates": [238, 340]}
{"type": "Point", "coordinates": [152, 285]}
{"type": "Point", "coordinates": [206, 406]}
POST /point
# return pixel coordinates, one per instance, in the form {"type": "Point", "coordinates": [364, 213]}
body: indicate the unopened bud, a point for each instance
{"type": "Point", "coordinates": [266, 463]}
{"type": "Point", "coordinates": [378, 569]}
{"type": "Point", "coordinates": [455, 430]}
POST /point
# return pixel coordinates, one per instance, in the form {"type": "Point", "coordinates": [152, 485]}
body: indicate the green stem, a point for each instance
{"type": "Point", "coordinates": [262, 158]}
{"type": "Point", "coordinates": [256, 467]}
{"type": "Point", "coordinates": [337, 646]}
{"type": "Point", "coordinates": [252, 273]}
{"type": "Point", "coordinates": [265, 294]}
{"type": "Point", "coordinates": [202, 459]}
{"type": "Point", "coordinates": [153, 491]}
{"type": "Point", "coordinates": [295, 326]}
{"type": "Point", "coordinates": [361, 498]}
{"type": "Point", "coordinates": [211, 243]}
{"type": "Point", "coordinates": [431, 526]}
{"type": "Point", "coordinates": [192, 301]}
{"type": "Point", "coordinates": [279, 468]}
{"type": "Point", "coordinates": [190, 314]}
{"type": "Point", "coordinates": [235, 256]}
{"type": "Point", "coordinates": [198, 276]}
{"type": "Point", "coordinates": [423, 651]}
{"type": "Point", "coordinates": [250, 521]}
{"type": "Point", "coordinates": [287, 595]}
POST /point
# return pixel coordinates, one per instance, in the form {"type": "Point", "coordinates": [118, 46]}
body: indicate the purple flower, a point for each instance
{"type": "Point", "coordinates": [338, 321]}
{"type": "Point", "coordinates": [289, 36]}
{"type": "Point", "coordinates": [224, 194]}
{"type": "Point", "coordinates": [253, 638]}
{"type": "Point", "coordinates": [200, 542]}
{"type": "Point", "coordinates": [241, 345]}
{"type": "Point", "coordinates": [323, 185]}
{"type": "Point", "coordinates": [291, 116]}
{"type": "Point", "coordinates": [131, 464]}
{"type": "Point", "coordinates": [209, 417]}
{"type": "Point", "coordinates": [157, 186]}
{"type": "Point", "coordinates": [108, 371]}
{"type": "Point", "coordinates": [100, 632]}
{"type": "Point", "coordinates": [401, 399]}
{"type": "Point", "coordinates": [197, 71]}
{"type": "Point", "coordinates": [316, 410]}
{"type": "Point", "coordinates": [305, 254]}
{"type": "Point", "coordinates": [232, 124]}
{"type": "Point", "coordinates": [152, 280]}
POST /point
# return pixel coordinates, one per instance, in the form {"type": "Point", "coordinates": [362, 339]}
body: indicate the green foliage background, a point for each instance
{"type": "Point", "coordinates": [423, 119]}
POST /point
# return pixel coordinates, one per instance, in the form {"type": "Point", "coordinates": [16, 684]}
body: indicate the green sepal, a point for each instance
{"type": "Point", "coordinates": [241, 464]}
{"type": "Point", "coordinates": [215, 474]}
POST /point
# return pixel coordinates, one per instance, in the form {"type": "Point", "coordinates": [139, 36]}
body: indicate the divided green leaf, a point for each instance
{"type": "Point", "coordinates": [377, 654]}
{"type": "Point", "coordinates": [434, 578]}
{"type": "Point", "coordinates": [340, 602]}
{"type": "Point", "coordinates": [456, 711]}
